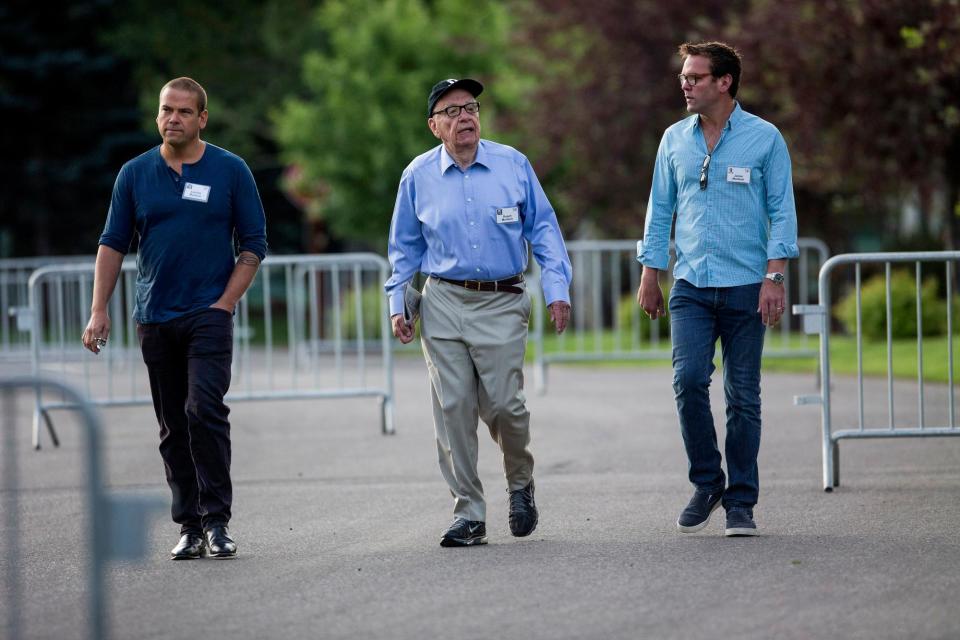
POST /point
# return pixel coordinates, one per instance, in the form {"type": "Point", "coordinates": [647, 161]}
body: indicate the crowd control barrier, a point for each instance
{"type": "Point", "coordinates": [117, 526]}
{"type": "Point", "coordinates": [15, 302]}
{"type": "Point", "coordinates": [816, 320]}
{"type": "Point", "coordinates": [607, 323]}
{"type": "Point", "coordinates": [311, 326]}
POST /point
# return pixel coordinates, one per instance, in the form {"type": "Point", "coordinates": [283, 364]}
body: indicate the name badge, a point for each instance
{"type": "Point", "coordinates": [196, 192]}
{"type": "Point", "coordinates": [508, 214]}
{"type": "Point", "coordinates": [738, 174]}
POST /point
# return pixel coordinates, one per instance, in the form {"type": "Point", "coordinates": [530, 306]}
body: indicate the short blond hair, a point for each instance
{"type": "Point", "coordinates": [189, 85]}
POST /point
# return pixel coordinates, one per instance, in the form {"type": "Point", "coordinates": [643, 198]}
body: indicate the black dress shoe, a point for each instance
{"type": "Point", "coordinates": [190, 547]}
{"type": "Point", "coordinates": [219, 542]}
{"type": "Point", "coordinates": [523, 511]}
{"type": "Point", "coordinates": [464, 533]}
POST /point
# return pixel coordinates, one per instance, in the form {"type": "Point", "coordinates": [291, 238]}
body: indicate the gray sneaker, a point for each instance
{"type": "Point", "coordinates": [697, 513]}
{"type": "Point", "coordinates": [740, 522]}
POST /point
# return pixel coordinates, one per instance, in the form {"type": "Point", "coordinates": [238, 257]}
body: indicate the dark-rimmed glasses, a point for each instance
{"type": "Point", "coordinates": [454, 109]}
{"type": "Point", "coordinates": [692, 78]}
{"type": "Point", "coordinates": [703, 172]}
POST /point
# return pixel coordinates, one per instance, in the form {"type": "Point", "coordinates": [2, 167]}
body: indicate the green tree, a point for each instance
{"type": "Point", "coordinates": [364, 116]}
{"type": "Point", "coordinates": [867, 91]}
{"type": "Point", "coordinates": [68, 120]}
{"type": "Point", "coordinates": [246, 55]}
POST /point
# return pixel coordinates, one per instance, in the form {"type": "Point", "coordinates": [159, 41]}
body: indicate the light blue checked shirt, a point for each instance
{"type": "Point", "coordinates": [725, 233]}
{"type": "Point", "coordinates": [474, 224]}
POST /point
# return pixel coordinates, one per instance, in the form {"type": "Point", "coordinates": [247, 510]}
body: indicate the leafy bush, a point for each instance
{"type": "Point", "coordinates": [371, 297]}
{"type": "Point", "coordinates": [903, 301]}
{"type": "Point", "coordinates": [626, 309]}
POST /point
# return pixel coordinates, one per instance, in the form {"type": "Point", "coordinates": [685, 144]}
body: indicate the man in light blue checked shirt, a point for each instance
{"type": "Point", "coordinates": [725, 174]}
{"type": "Point", "coordinates": [466, 212]}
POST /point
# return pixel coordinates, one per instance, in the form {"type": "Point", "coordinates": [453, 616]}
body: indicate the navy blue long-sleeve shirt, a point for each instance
{"type": "Point", "coordinates": [186, 225]}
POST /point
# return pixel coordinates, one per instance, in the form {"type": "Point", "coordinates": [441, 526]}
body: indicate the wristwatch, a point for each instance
{"type": "Point", "coordinates": [776, 277]}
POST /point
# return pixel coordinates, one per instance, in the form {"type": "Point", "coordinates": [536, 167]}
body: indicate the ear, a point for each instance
{"type": "Point", "coordinates": [203, 119]}
{"type": "Point", "coordinates": [724, 83]}
{"type": "Point", "coordinates": [434, 128]}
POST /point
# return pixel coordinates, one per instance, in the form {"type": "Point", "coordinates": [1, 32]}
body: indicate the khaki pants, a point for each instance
{"type": "Point", "coordinates": [474, 344]}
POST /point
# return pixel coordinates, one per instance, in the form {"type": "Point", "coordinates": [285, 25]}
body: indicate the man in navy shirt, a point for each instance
{"type": "Point", "coordinates": [188, 200]}
{"type": "Point", "coordinates": [466, 212]}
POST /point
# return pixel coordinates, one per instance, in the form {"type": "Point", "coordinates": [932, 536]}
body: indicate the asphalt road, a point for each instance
{"type": "Point", "coordinates": [338, 527]}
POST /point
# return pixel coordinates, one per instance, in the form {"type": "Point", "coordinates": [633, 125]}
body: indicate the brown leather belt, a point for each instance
{"type": "Point", "coordinates": [488, 285]}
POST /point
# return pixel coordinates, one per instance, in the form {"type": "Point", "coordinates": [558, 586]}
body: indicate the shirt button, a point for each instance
{"type": "Point", "coordinates": [478, 269]}
{"type": "Point", "coordinates": [466, 177]}
{"type": "Point", "coordinates": [474, 246]}
{"type": "Point", "coordinates": [471, 223]}
{"type": "Point", "coordinates": [469, 199]}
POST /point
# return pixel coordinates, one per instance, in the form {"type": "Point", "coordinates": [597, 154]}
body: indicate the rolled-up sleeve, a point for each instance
{"type": "Point", "coordinates": [406, 244]}
{"type": "Point", "coordinates": [121, 217]}
{"type": "Point", "coordinates": [542, 231]}
{"type": "Point", "coordinates": [782, 241]}
{"type": "Point", "coordinates": [655, 249]}
{"type": "Point", "coordinates": [248, 216]}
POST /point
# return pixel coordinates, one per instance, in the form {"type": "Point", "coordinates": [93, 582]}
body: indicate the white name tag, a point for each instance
{"type": "Point", "coordinates": [196, 192]}
{"type": "Point", "coordinates": [738, 174]}
{"type": "Point", "coordinates": [508, 214]}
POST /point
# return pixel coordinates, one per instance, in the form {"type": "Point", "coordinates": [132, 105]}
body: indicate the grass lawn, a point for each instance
{"type": "Point", "coordinates": [843, 355]}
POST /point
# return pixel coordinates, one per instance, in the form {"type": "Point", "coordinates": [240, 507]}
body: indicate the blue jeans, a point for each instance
{"type": "Point", "coordinates": [698, 316]}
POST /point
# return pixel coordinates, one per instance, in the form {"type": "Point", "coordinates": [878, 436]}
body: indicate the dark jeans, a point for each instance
{"type": "Point", "coordinates": [698, 316]}
{"type": "Point", "coordinates": [188, 359]}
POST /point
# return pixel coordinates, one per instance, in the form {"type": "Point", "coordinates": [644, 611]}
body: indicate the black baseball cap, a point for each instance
{"type": "Point", "coordinates": [473, 87]}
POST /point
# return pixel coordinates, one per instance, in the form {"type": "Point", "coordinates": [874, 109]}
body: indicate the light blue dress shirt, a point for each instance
{"type": "Point", "coordinates": [446, 223]}
{"type": "Point", "coordinates": [725, 233]}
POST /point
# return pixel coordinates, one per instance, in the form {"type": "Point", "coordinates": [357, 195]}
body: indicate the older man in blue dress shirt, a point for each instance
{"type": "Point", "coordinates": [725, 174]}
{"type": "Point", "coordinates": [466, 212]}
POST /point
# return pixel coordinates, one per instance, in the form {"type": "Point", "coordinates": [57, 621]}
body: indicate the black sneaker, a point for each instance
{"type": "Point", "coordinates": [464, 533]}
{"type": "Point", "coordinates": [523, 511]}
{"type": "Point", "coordinates": [697, 514]}
{"type": "Point", "coordinates": [740, 522]}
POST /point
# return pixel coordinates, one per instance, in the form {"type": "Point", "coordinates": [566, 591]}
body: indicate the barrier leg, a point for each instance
{"type": "Point", "coordinates": [387, 426]}
{"type": "Point", "coordinates": [829, 449]}
{"type": "Point", "coordinates": [836, 463]}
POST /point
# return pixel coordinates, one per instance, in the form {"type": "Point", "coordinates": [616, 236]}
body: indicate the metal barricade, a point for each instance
{"type": "Point", "coordinates": [117, 526]}
{"type": "Point", "coordinates": [816, 320]}
{"type": "Point", "coordinates": [608, 324]}
{"type": "Point", "coordinates": [15, 301]}
{"type": "Point", "coordinates": [311, 326]}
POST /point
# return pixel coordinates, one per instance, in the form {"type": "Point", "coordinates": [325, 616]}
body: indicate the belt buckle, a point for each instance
{"type": "Point", "coordinates": [468, 284]}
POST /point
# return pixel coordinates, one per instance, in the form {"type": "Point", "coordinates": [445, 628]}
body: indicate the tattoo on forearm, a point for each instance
{"type": "Point", "coordinates": [249, 260]}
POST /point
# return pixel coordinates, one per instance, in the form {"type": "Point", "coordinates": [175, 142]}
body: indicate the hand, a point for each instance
{"type": "Point", "coordinates": [97, 331]}
{"type": "Point", "coordinates": [559, 314]}
{"type": "Point", "coordinates": [401, 329]}
{"type": "Point", "coordinates": [773, 301]}
{"type": "Point", "coordinates": [649, 295]}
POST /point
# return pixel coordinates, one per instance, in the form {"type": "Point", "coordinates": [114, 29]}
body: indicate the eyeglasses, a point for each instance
{"type": "Point", "coordinates": [703, 173]}
{"type": "Point", "coordinates": [692, 78]}
{"type": "Point", "coordinates": [454, 110]}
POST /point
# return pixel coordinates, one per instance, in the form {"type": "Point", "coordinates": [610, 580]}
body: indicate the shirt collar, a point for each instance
{"type": "Point", "coordinates": [735, 117]}
{"type": "Point", "coordinates": [447, 161]}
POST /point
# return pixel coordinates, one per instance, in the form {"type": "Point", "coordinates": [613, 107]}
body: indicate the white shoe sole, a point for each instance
{"type": "Point", "coordinates": [739, 532]}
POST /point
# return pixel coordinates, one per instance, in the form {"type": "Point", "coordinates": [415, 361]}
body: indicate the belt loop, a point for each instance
{"type": "Point", "coordinates": [496, 286]}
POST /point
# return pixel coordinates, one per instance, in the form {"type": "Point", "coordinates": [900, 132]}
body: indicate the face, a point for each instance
{"type": "Point", "coordinates": [179, 119]}
{"type": "Point", "coordinates": [461, 133]}
{"type": "Point", "coordinates": [708, 90]}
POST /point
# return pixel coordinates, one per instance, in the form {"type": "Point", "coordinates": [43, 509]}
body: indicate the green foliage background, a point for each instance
{"type": "Point", "coordinates": [363, 116]}
{"type": "Point", "coordinates": [903, 301]}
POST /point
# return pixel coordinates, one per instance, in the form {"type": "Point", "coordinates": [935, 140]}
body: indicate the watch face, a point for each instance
{"type": "Point", "coordinates": [776, 277]}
